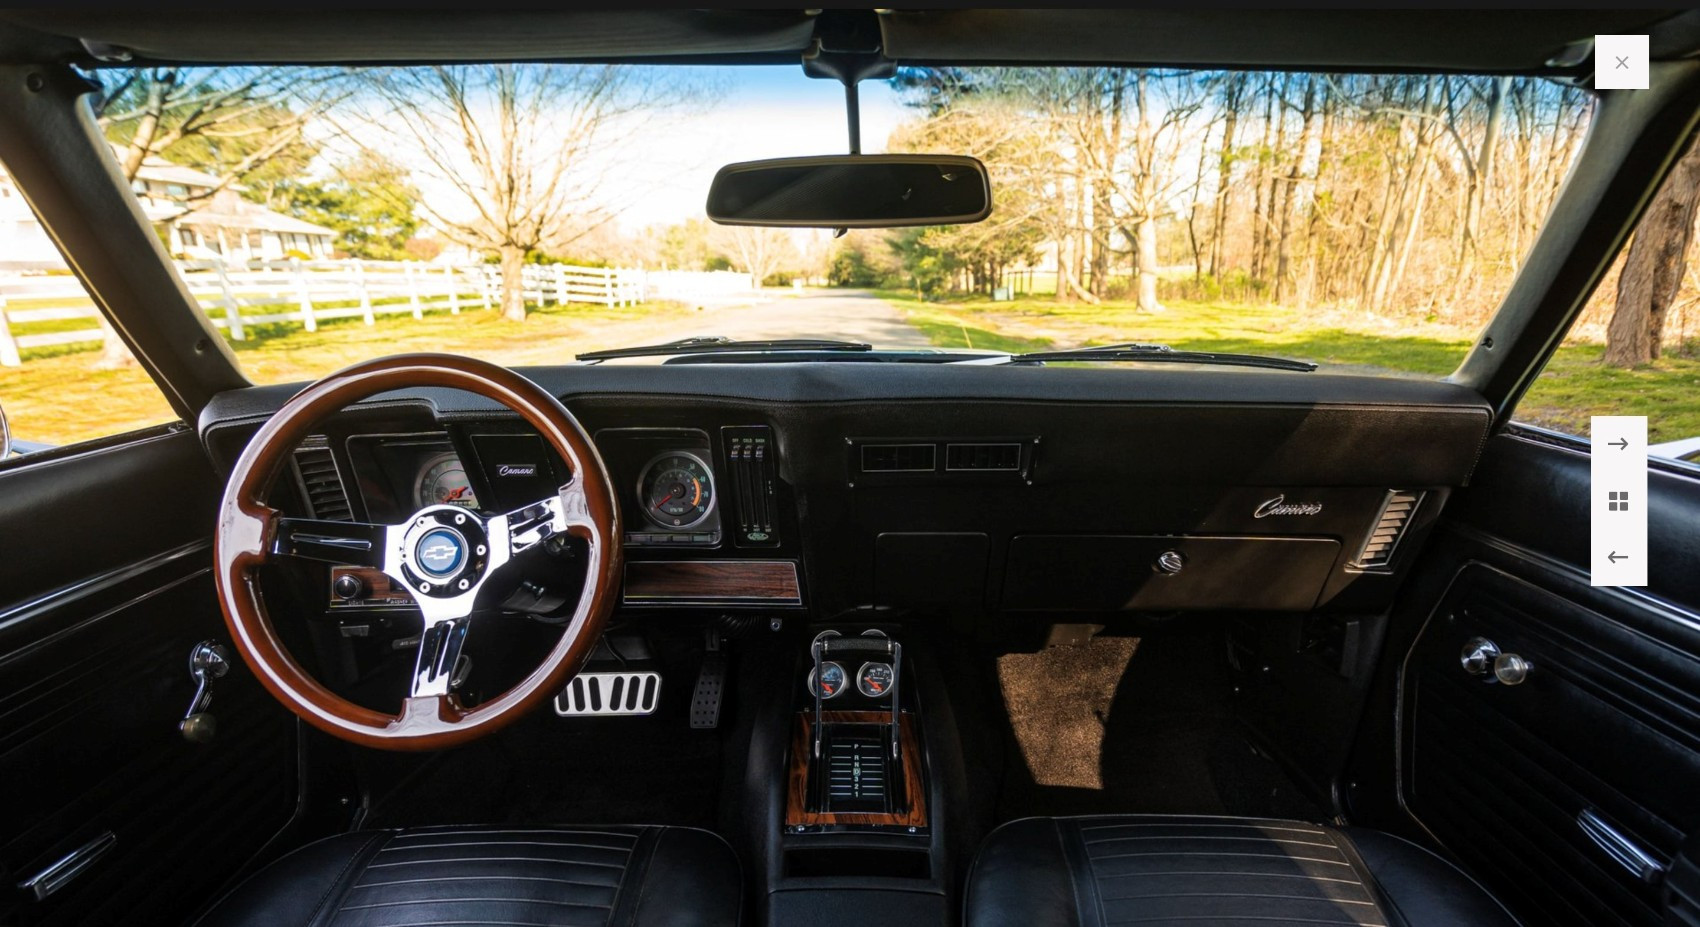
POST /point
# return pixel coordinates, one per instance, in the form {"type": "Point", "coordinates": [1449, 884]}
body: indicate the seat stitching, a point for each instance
{"type": "Point", "coordinates": [483, 831]}
{"type": "Point", "coordinates": [1216, 917]}
{"type": "Point", "coordinates": [1316, 898]}
{"type": "Point", "coordinates": [527, 901]}
{"type": "Point", "coordinates": [330, 889]}
{"type": "Point", "coordinates": [493, 859]}
{"type": "Point", "coordinates": [504, 843]}
{"type": "Point", "coordinates": [492, 878]}
{"type": "Point", "coordinates": [1456, 868]}
{"type": "Point", "coordinates": [1305, 859]}
{"type": "Point", "coordinates": [1275, 840]}
{"type": "Point", "coordinates": [1296, 830]}
{"type": "Point", "coordinates": [1230, 872]}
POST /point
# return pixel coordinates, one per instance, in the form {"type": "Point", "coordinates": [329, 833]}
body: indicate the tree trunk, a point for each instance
{"type": "Point", "coordinates": [1284, 239]}
{"type": "Point", "coordinates": [513, 282]}
{"type": "Point", "coordinates": [1653, 271]}
{"type": "Point", "coordinates": [1476, 194]}
{"type": "Point", "coordinates": [1224, 171]}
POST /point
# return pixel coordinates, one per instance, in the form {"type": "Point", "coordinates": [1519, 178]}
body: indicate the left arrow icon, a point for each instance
{"type": "Point", "coordinates": [1614, 556]}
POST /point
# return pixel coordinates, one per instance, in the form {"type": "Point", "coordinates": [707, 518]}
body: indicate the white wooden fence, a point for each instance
{"type": "Point", "coordinates": [238, 295]}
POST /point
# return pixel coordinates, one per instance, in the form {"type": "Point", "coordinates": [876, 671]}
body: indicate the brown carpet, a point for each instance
{"type": "Point", "coordinates": [1058, 701]}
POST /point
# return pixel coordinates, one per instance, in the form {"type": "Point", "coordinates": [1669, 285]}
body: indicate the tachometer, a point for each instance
{"type": "Point", "coordinates": [676, 490]}
{"type": "Point", "coordinates": [443, 480]}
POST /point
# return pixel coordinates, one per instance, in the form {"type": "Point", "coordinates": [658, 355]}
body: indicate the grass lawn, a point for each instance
{"type": "Point", "coordinates": [1573, 387]}
{"type": "Point", "coordinates": [65, 398]}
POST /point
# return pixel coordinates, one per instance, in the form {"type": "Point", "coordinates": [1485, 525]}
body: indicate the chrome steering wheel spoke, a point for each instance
{"type": "Point", "coordinates": [349, 543]}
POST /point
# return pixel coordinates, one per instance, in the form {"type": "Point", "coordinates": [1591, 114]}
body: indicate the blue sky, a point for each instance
{"type": "Point", "coordinates": [756, 112]}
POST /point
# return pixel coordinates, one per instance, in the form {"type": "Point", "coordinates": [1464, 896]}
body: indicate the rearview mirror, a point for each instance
{"type": "Point", "coordinates": [852, 191]}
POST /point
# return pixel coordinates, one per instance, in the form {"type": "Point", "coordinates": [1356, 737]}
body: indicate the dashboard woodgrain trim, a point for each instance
{"type": "Point", "coordinates": [718, 582]}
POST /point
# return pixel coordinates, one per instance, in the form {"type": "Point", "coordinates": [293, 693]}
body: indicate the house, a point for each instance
{"type": "Point", "coordinates": [195, 218]}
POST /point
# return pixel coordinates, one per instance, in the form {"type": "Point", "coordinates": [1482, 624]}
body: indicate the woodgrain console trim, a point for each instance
{"type": "Point", "coordinates": [797, 780]}
{"type": "Point", "coordinates": [712, 582]}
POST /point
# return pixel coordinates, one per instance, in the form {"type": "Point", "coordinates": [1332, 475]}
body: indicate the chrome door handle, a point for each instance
{"type": "Point", "coordinates": [60, 872]}
{"type": "Point", "coordinates": [1626, 852]}
{"type": "Point", "coordinates": [208, 660]}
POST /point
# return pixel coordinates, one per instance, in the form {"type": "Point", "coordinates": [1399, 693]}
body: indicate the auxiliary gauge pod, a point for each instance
{"type": "Point", "coordinates": [870, 644]}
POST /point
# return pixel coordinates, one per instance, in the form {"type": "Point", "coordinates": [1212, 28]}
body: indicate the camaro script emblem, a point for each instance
{"type": "Point", "coordinates": [1280, 506]}
{"type": "Point", "coordinates": [517, 470]}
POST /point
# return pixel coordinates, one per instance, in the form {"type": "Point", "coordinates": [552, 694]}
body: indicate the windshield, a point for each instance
{"type": "Point", "coordinates": [529, 213]}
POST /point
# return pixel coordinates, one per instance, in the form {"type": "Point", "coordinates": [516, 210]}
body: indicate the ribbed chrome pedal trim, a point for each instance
{"type": "Point", "coordinates": [610, 695]}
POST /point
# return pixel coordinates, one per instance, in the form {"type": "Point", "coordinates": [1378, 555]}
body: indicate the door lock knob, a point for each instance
{"type": "Point", "coordinates": [1511, 669]}
{"type": "Point", "coordinates": [1170, 562]}
{"type": "Point", "coordinates": [1483, 659]}
{"type": "Point", "coordinates": [1478, 656]}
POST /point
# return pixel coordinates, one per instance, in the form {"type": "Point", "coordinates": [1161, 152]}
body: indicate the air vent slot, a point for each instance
{"type": "Point", "coordinates": [322, 483]}
{"type": "Point", "coordinates": [1390, 525]}
{"type": "Point", "coordinates": [899, 458]}
{"type": "Point", "coordinates": [982, 457]}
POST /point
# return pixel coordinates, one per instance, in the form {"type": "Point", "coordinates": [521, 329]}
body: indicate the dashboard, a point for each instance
{"type": "Point", "coordinates": [981, 495]}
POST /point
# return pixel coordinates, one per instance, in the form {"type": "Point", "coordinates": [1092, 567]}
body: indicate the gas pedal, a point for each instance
{"type": "Point", "coordinates": [610, 695]}
{"type": "Point", "coordinates": [711, 685]}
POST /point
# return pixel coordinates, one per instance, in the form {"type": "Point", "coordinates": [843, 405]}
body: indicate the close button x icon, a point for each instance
{"type": "Point", "coordinates": [1623, 62]}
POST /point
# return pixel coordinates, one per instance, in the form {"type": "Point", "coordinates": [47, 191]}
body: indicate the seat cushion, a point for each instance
{"type": "Point", "coordinates": [590, 876]}
{"type": "Point", "coordinates": [1224, 872]}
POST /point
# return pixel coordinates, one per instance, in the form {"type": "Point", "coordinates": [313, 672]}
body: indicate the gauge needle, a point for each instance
{"type": "Point", "coordinates": [668, 498]}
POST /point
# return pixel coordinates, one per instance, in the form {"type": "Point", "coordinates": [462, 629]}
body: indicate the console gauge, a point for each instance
{"type": "Point", "coordinates": [875, 680]}
{"type": "Point", "coordinates": [676, 490]}
{"type": "Point", "coordinates": [443, 480]}
{"type": "Point", "coordinates": [832, 680]}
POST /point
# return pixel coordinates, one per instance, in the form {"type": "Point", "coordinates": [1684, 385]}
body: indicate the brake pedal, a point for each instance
{"type": "Point", "coordinates": [711, 683]}
{"type": "Point", "coordinates": [610, 695]}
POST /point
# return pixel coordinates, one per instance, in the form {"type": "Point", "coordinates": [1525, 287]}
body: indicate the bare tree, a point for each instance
{"type": "Point", "coordinates": [1653, 269]}
{"type": "Point", "coordinates": [230, 123]}
{"type": "Point", "coordinates": [518, 151]}
{"type": "Point", "coordinates": [759, 252]}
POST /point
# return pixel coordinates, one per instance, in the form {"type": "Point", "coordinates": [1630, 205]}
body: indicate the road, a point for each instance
{"type": "Point", "coordinates": [846, 316]}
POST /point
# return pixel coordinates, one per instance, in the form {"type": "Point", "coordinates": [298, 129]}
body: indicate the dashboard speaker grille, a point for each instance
{"type": "Point", "coordinates": [609, 694]}
{"type": "Point", "coordinates": [322, 483]}
{"type": "Point", "coordinates": [1390, 525]}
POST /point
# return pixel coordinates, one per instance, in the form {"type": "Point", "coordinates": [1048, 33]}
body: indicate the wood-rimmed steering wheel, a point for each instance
{"type": "Point", "coordinates": [443, 555]}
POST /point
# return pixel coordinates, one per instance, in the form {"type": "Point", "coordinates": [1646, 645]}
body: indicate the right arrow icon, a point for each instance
{"type": "Point", "coordinates": [1621, 444]}
{"type": "Point", "coordinates": [1614, 556]}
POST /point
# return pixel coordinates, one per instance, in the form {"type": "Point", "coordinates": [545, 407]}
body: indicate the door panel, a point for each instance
{"type": "Point", "coordinates": [108, 572]}
{"type": "Point", "coordinates": [1607, 722]}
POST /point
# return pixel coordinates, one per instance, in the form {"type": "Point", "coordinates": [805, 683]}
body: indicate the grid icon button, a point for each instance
{"type": "Point", "coordinates": [1617, 501]}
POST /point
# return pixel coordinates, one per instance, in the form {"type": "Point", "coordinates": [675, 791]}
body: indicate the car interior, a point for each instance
{"type": "Point", "coordinates": [747, 635]}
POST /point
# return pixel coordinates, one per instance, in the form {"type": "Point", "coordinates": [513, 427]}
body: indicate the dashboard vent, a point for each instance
{"type": "Point", "coordinates": [321, 483]}
{"type": "Point", "coordinates": [899, 458]}
{"type": "Point", "coordinates": [982, 457]}
{"type": "Point", "coordinates": [1390, 525]}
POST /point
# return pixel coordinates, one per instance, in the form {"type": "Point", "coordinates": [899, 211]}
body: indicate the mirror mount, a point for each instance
{"type": "Point", "coordinates": [851, 57]}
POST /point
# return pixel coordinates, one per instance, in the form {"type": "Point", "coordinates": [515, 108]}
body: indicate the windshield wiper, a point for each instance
{"type": "Point", "coordinates": [1162, 354]}
{"type": "Point", "coordinates": [720, 343]}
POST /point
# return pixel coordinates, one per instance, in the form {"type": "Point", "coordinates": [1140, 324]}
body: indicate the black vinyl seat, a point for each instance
{"type": "Point", "coordinates": [1218, 871]}
{"type": "Point", "coordinates": [589, 876]}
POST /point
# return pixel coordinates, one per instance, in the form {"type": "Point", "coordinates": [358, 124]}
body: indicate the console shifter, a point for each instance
{"type": "Point", "coordinates": [825, 648]}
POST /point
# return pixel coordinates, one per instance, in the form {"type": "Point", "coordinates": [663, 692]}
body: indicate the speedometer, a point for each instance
{"type": "Point", "coordinates": [443, 480]}
{"type": "Point", "coordinates": [676, 490]}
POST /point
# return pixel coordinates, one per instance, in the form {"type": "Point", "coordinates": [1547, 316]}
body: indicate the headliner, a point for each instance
{"type": "Point", "coordinates": [1466, 40]}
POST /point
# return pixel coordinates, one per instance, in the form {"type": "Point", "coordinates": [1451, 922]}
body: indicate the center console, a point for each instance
{"type": "Point", "coordinates": [858, 833]}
